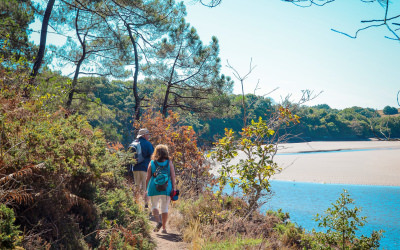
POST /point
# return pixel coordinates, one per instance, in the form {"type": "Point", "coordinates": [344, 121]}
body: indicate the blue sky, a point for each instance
{"type": "Point", "coordinates": [294, 48]}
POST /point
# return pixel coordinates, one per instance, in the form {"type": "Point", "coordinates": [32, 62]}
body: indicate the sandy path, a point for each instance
{"type": "Point", "coordinates": [169, 241]}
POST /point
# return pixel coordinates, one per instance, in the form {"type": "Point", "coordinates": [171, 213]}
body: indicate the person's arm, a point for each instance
{"type": "Point", "coordinates": [148, 175]}
{"type": "Point", "coordinates": [172, 173]}
{"type": "Point", "coordinates": [147, 150]}
{"type": "Point", "coordinates": [151, 149]}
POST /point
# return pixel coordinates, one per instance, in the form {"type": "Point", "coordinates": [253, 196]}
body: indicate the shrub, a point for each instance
{"type": "Point", "coordinates": [390, 110]}
{"type": "Point", "coordinates": [258, 141]}
{"type": "Point", "coordinates": [221, 219]}
{"type": "Point", "coordinates": [289, 233]}
{"type": "Point", "coordinates": [281, 215]}
{"type": "Point", "coordinates": [9, 232]}
{"type": "Point", "coordinates": [55, 168]}
{"type": "Point", "coordinates": [342, 221]}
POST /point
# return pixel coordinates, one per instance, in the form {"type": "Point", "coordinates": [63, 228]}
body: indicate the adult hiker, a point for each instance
{"type": "Point", "coordinates": [143, 149]}
{"type": "Point", "coordinates": [160, 182]}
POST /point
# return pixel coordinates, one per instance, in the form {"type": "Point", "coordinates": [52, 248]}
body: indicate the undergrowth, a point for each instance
{"type": "Point", "coordinates": [60, 185]}
{"type": "Point", "coordinates": [212, 221]}
{"type": "Point", "coordinates": [221, 222]}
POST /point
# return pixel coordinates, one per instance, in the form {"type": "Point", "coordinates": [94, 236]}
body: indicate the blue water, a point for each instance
{"type": "Point", "coordinates": [380, 204]}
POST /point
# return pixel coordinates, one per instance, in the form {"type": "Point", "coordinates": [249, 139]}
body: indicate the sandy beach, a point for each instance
{"type": "Point", "coordinates": [344, 162]}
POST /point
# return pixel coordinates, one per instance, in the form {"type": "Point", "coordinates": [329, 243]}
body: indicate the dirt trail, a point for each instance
{"type": "Point", "coordinates": [169, 241]}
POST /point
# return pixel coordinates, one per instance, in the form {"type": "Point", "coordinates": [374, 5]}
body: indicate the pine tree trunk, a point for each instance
{"type": "Point", "coordinates": [135, 75]}
{"type": "Point", "coordinates": [78, 66]}
{"type": "Point", "coordinates": [43, 36]}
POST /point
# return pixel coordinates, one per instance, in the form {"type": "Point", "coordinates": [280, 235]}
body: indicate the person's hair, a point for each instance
{"type": "Point", "coordinates": [160, 153]}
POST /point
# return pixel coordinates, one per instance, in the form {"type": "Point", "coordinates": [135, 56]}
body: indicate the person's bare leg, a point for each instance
{"type": "Point", "coordinates": [156, 215]}
{"type": "Point", "coordinates": [144, 189]}
{"type": "Point", "coordinates": [164, 219]}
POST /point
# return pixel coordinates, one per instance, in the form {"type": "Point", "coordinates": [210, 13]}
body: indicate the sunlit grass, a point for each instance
{"type": "Point", "coordinates": [237, 243]}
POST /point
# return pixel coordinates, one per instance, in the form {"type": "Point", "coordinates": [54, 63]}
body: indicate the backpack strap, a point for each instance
{"type": "Point", "coordinates": [158, 168]}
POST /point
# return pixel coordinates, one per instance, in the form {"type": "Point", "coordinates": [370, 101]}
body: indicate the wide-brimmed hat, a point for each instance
{"type": "Point", "coordinates": [142, 132]}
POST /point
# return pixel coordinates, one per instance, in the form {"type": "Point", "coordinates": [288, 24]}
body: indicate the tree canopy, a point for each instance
{"type": "Point", "coordinates": [387, 110]}
{"type": "Point", "coordinates": [15, 18]}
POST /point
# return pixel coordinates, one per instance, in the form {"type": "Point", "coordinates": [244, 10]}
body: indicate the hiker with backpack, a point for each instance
{"type": "Point", "coordinates": [143, 150]}
{"type": "Point", "coordinates": [160, 184]}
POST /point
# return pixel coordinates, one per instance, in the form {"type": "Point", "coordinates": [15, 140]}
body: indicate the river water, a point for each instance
{"type": "Point", "coordinates": [308, 196]}
{"type": "Point", "coordinates": [380, 204]}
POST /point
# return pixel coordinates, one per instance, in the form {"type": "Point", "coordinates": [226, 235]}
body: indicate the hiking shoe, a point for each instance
{"type": "Point", "coordinates": [164, 231]}
{"type": "Point", "coordinates": [159, 225]}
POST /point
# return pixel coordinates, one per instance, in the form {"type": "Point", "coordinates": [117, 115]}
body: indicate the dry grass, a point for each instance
{"type": "Point", "coordinates": [210, 220]}
{"type": "Point", "coordinates": [191, 232]}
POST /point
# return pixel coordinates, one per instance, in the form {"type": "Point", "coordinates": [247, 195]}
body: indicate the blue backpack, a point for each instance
{"type": "Point", "coordinates": [160, 177]}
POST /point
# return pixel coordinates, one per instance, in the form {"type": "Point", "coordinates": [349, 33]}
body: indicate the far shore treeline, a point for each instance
{"type": "Point", "coordinates": [318, 122]}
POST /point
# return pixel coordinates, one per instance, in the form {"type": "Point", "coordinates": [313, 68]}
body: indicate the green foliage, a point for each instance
{"type": "Point", "coordinates": [289, 234]}
{"type": "Point", "coordinates": [232, 118]}
{"type": "Point", "coordinates": [317, 123]}
{"type": "Point", "coordinates": [258, 141]}
{"type": "Point", "coordinates": [322, 106]}
{"type": "Point", "coordinates": [57, 169]}
{"type": "Point", "coordinates": [236, 244]}
{"type": "Point", "coordinates": [9, 232]}
{"type": "Point", "coordinates": [328, 124]}
{"type": "Point", "coordinates": [281, 215]}
{"type": "Point", "coordinates": [123, 223]}
{"type": "Point", "coordinates": [188, 71]}
{"type": "Point", "coordinates": [252, 173]}
{"type": "Point", "coordinates": [117, 207]}
{"type": "Point", "coordinates": [342, 221]}
{"type": "Point", "coordinates": [390, 110]}
{"type": "Point", "coordinates": [106, 105]}
{"type": "Point", "coordinates": [389, 126]}
{"type": "Point", "coordinates": [15, 17]}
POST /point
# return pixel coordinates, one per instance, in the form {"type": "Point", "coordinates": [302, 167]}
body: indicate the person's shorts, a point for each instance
{"type": "Point", "coordinates": [156, 200]}
{"type": "Point", "coordinates": [140, 179]}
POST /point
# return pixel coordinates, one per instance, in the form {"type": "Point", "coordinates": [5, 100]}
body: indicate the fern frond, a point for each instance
{"type": "Point", "coordinates": [21, 173]}
{"type": "Point", "coordinates": [129, 237]}
{"type": "Point", "coordinates": [102, 234]}
{"type": "Point", "coordinates": [18, 195]}
{"type": "Point", "coordinates": [75, 200]}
